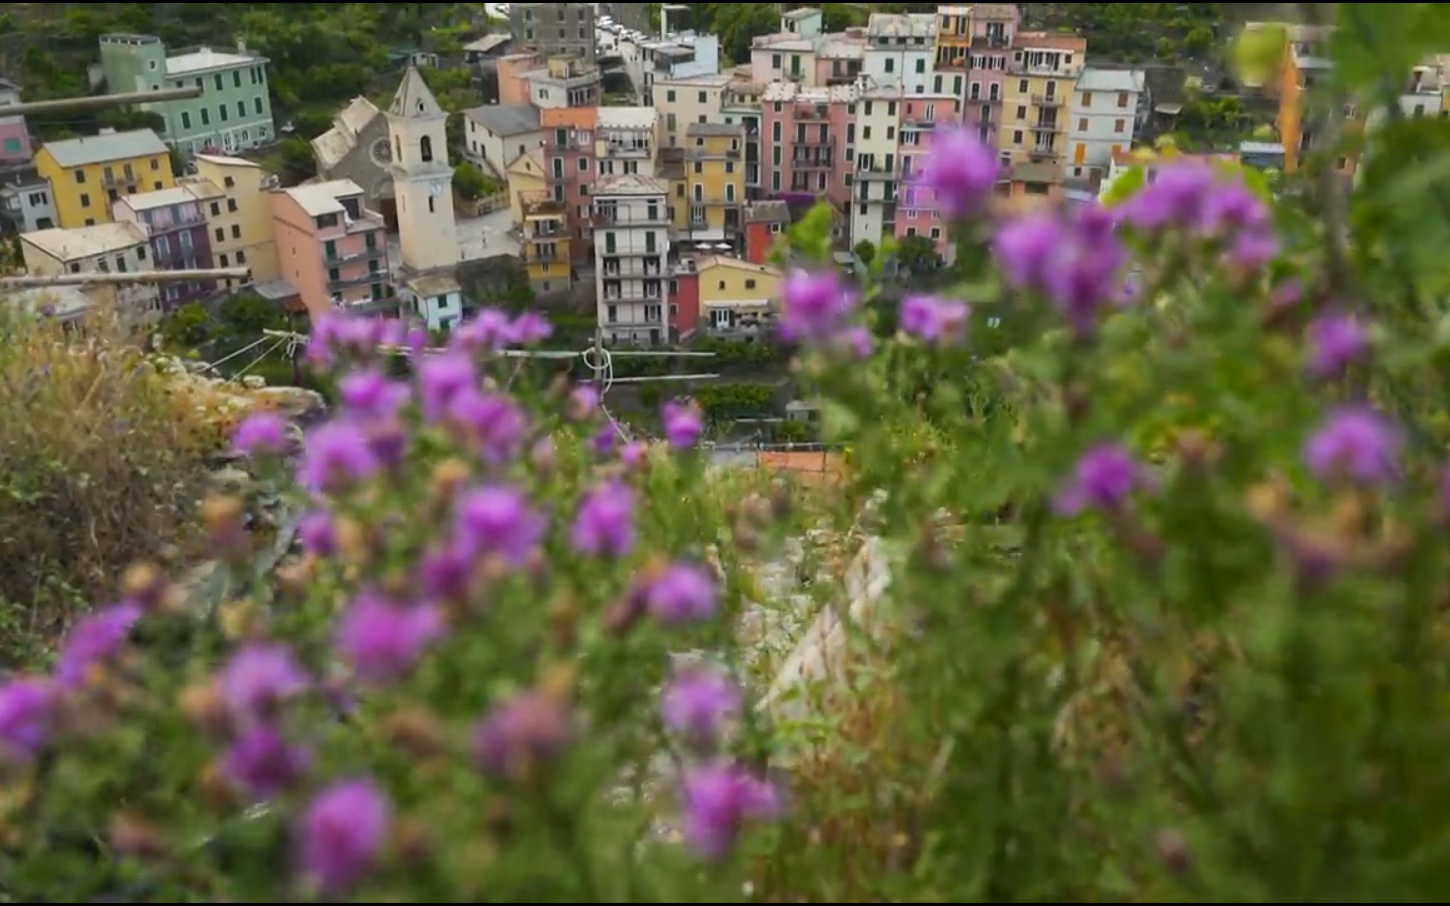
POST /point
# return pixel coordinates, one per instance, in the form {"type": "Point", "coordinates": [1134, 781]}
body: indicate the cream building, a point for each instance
{"type": "Point", "coordinates": [688, 101]}
{"type": "Point", "coordinates": [240, 220]}
{"type": "Point", "coordinates": [631, 243]}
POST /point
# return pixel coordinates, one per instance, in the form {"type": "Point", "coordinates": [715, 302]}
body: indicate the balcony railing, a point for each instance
{"type": "Point", "coordinates": [983, 42]}
{"type": "Point", "coordinates": [1046, 126]}
{"type": "Point", "coordinates": [367, 254]}
{"type": "Point", "coordinates": [1047, 100]}
{"type": "Point", "coordinates": [632, 297]}
{"type": "Point", "coordinates": [604, 217]}
{"type": "Point", "coordinates": [822, 162]}
{"type": "Point", "coordinates": [616, 251]}
{"type": "Point", "coordinates": [878, 174]}
{"type": "Point", "coordinates": [538, 204]}
{"type": "Point", "coordinates": [632, 269]}
{"type": "Point", "coordinates": [629, 150]}
{"type": "Point", "coordinates": [1041, 154]}
{"type": "Point", "coordinates": [120, 179]}
{"type": "Point", "coordinates": [698, 153]}
{"type": "Point", "coordinates": [357, 279]}
{"type": "Point", "coordinates": [714, 200]}
{"type": "Point", "coordinates": [813, 113]}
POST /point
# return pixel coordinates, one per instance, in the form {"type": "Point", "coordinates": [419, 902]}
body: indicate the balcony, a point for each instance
{"type": "Point", "coordinates": [988, 42]}
{"type": "Point", "coordinates": [616, 270]}
{"type": "Point", "coordinates": [1043, 154]}
{"type": "Point", "coordinates": [1047, 100]}
{"type": "Point", "coordinates": [714, 200]}
{"type": "Point", "coordinates": [1046, 126]}
{"type": "Point", "coordinates": [814, 162]}
{"type": "Point", "coordinates": [543, 254]}
{"type": "Point", "coordinates": [630, 150]}
{"type": "Point", "coordinates": [567, 177]}
{"type": "Point", "coordinates": [360, 278]}
{"type": "Point", "coordinates": [812, 113]}
{"type": "Point", "coordinates": [376, 253]}
{"type": "Point", "coordinates": [707, 153]}
{"type": "Point", "coordinates": [877, 174]}
{"type": "Point", "coordinates": [632, 297]}
{"type": "Point", "coordinates": [606, 217]}
{"type": "Point", "coordinates": [537, 204]}
{"type": "Point", "coordinates": [919, 121]}
{"type": "Point", "coordinates": [120, 180]}
{"type": "Point", "coordinates": [615, 251]}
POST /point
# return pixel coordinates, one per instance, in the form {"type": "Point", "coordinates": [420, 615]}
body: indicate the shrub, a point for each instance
{"type": "Point", "coordinates": [96, 470]}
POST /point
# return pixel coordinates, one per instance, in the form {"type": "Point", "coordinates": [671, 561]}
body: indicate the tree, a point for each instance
{"type": "Point", "coordinates": [250, 315]}
{"type": "Point", "coordinates": [469, 181]}
{"type": "Point", "coordinates": [917, 254]}
{"type": "Point", "coordinates": [866, 251]}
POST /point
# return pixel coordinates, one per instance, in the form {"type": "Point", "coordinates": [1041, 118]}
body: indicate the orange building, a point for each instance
{"type": "Point", "coordinates": [331, 249]}
{"type": "Point", "coordinates": [1304, 63]}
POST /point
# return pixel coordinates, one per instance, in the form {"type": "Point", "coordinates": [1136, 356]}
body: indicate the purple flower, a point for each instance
{"type": "Point", "coordinates": [259, 677]}
{"type": "Point", "coordinates": [336, 455]}
{"type": "Point", "coordinates": [370, 394]}
{"type": "Point", "coordinates": [1177, 197]}
{"type": "Point", "coordinates": [445, 573]}
{"type": "Point", "coordinates": [497, 521]}
{"type": "Point", "coordinates": [960, 173]}
{"type": "Point", "coordinates": [1232, 208]}
{"type": "Point", "coordinates": [1252, 249]}
{"type": "Point", "coordinates": [1357, 444]}
{"type": "Point", "coordinates": [1335, 342]}
{"type": "Point", "coordinates": [1024, 248]}
{"type": "Point", "coordinates": [604, 524]}
{"type": "Point", "coordinates": [26, 711]}
{"type": "Point", "coordinates": [634, 454]}
{"type": "Point", "coordinates": [341, 835]}
{"type": "Point", "coordinates": [856, 342]}
{"type": "Point", "coordinates": [1102, 479]}
{"type": "Point", "coordinates": [318, 532]}
{"type": "Point", "coordinates": [441, 378]}
{"type": "Point", "coordinates": [528, 328]}
{"type": "Point", "coordinates": [493, 420]}
{"type": "Point", "coordinates": [521, 732]}
{"type": "Point", "coordinates": [698, 703]}
{"type": "Point", "coordinates": [933, 320]}
{"type": "Point", "coordinates": [601, 442]}
{"type": "Point", "coordinates": [684, 424]}
{"type": "Point", "coordinates": [682, 593]}
{"type": "Point", "coordinates": [719, 797]}
{"type": "Point", "coordinates": [583, 402]}
{"type": "Point", "coordinates": [263, 764]}
{"type": "Point", "coordinates": [814, 305]}
{"type": "Point", "coordinates": [382, 640]}
{"type": "Point", "coordinates": [96, 638]}
{"type": "Point", "coordinates": [264, 432]}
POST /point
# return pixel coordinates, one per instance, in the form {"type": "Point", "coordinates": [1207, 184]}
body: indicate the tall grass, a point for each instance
{"type": "Point", "coordinates": [97, 468]}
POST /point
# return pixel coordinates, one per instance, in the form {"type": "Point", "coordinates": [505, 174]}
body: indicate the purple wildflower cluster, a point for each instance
{"type": "Point", "coordinates": [493, 527]}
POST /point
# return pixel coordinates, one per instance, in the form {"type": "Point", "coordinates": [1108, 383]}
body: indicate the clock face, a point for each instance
{"type": "Point", "coordinates": [382, 152]}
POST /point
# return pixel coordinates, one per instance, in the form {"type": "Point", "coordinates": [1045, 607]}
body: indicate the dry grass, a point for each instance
{"type": "Point", "coordinates": [97, 469]}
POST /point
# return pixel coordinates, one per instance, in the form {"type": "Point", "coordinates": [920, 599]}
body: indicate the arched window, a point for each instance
{"type": "Point", "coordinates": [425, 147]}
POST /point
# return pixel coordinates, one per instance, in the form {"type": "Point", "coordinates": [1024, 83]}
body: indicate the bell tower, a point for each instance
{"type": "Point", "coordinates": [422, 177]}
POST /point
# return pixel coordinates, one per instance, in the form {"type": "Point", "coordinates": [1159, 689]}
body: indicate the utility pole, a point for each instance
{"type": "Point", "coordinates": [63, 105]}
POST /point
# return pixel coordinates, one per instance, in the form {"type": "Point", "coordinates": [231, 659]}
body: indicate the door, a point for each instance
{"type": "Point", "coordinates": [1079, 154]}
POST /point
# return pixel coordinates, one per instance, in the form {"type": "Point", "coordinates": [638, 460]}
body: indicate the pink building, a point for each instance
{"type": "Point", "coordinates": [807, 133]}
{"type": "Point", "coordinates": [513, 88]}
{"type": "Point", "coordinates": [14, 134]}
{"type": "Point", "coordinates": [993, 27]}
{"type": "Point", "coordinates": [920, 116]}
{"type": "Point", "coordinates": [331, 249]}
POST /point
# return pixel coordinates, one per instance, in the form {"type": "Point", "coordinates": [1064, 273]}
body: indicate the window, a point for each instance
{"type": "Point", "coordinates": [1119, 125]}
{"type": "Point", "coordinates": [205, 116]}
{"type": "Point", "coordinates": [221, 235]}
{"type": "Point", "coordinates": [81, 176]}
{"type": "Point", "coordinates": [222, 260]}
{"type": "Point", "coordinates": [1087, 98]}
{"type": "Point", "coordinates": [1021, 86]}
{"type": "Point", "coordinates": [232, 205]}
{"type": "Point", "coordinates": [155, 164]}
{"type": "Point", "coordinates": [670, 96]}
{"type": "Point", "coordinates": [701, 98]}
{"type": "Point", "coordinates": [236, 78]}
{"type": "Point", "coordinates": [425, 148]}
{"type": "Point", "coordinates": [432, 208]}
{"type": "Point", "coordinates": [236, 231]}
{"type": "Point", "coordinates": [1021, 111]}
{"type": "Point", "coordinates": [85, 199]}
{"type": "Point", "coordinates": [257, 104]}
{"type": "Point", "coordinates": [1122, 98]}
{"type": "Point", "coordinates": [186, 119]}
{"type": "Point", "coordinates": [222, 112]}
{"type": "Point", "coordinates": [216, 209]}
{"type": "Point", "coordinates": [750, 284]}
{"type": "Point", "coordinates": [1082, 124]}
{"type": "Point", "coordinates": [218, 80]}
{"type": "Point", "coordinates": [90, 221]}
{"type": "Point", "coordinates": [890, 64]}
{"type": "Point", "coordinates": [1017, 137]}
{"type": "Point", "coordinates": [241, 110]}
{"type": "Point", "coordinates": [920, 65]}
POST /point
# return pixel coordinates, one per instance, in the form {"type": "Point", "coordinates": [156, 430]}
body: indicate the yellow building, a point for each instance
{"type": "Point", "coordinates": [233, 196]}
{"type": "Point", "coordinates": [736, 296]}
{"type": "Point", "coordinates": [1036, 92]}
{"type": "Point", "coordinates": [525, 176]}
{"type": "Point", "coordinates": [545, 245]}
{"type": "Point", "coordinates": [715, 170]}
{"type": "Point", "coordinates": [686, 101]}
{"type": "Point", "coordinates": [953, 37]}
{"type": "Point", "coordinates": [87, 174]}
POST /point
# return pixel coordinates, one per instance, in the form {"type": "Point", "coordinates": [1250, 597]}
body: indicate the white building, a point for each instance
{"type": "Point", "coordinates": [106, 248]}
{"type": "Point", "coordinates": [631, 242]}
{"type": "Point", "coordinates": [1103, 117]}
{"type": "Point", "coordinates": [27, 201]}
{"type": "Point", "coordinates": [625, 141]}
{"type": "Point", "coordinates": [680, 56]}
{"type": "Point", "coordinates": [900, 52]}
{"type": "Point", "coordinates": [874, 185]}
{"type": "Point", "coordinates": [423, 185]}
{"type": "Point", "coordinates": [686, 102]}
{"type": "Point", "coordinates": [494, 137]}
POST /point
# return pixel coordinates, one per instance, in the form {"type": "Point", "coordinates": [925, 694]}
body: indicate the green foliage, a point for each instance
{"type": "Point", "coordinates": [471, 183]}
{"type": "Point", "coordinates": [866, 251]}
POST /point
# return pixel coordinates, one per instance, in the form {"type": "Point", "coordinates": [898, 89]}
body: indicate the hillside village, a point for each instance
{"type": "Point", "coordinates": [634, 173]}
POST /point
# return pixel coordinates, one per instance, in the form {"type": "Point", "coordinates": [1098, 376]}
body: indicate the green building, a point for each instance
{"type": "Point", "coordinates": [235, 110]}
